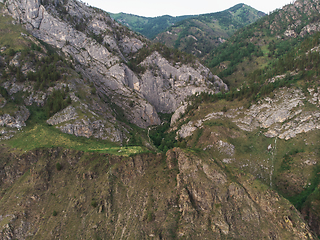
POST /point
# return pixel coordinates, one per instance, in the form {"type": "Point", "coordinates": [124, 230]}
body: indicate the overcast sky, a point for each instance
{"type": "Point", "coordinates": [153, 8]}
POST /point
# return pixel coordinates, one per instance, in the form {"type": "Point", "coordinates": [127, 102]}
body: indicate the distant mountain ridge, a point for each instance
{"type": "Point", "coordinates": [148, 26]}
{"type": "Point", "coordinates": [200, 34]}
{"type": "Point", "coordinates": [196, 34]}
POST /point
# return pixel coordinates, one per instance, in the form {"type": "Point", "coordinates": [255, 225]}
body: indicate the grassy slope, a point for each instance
{"type": "Point", "coordinates": [38, 134]}
{"type": "Point", "coordinates": [10, 35]}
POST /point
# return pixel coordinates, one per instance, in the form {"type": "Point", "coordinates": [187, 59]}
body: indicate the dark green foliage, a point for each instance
{"type": "Point", "coordinates": [235, 53]}
{"type": "Point", "coordinates": [37, 115]}
{"type": "Point", "coordinates": [286, 163]}
{"type": "Point", "coordinates": [16, 72]}
{"type": "Point", "coordinates": [11, 52]}
{"type": "Point", "coordinates": [150, 216]}
{"type": "Point", "coordinates": [57, 101]}
{"type": "Point", "coordinates": [94, 203]}
{"type": "Point", "coordinates": [288, 160]}
{"type": "Point", "coordinates": [135, 139]}
{"type": "Point", "coordinates": [198, 136]}
{"type": "Point", "coordinates": [35, 47]}
{"type": "Point", "coordinates": [54, 213]}
{"type": "Point", "coordinates": [4, 74]}
{"type": "Point", "coordinates": [58, 166]}
{"type": "Point", "coordinates": [97, 37]}
{"type": "Point", "coordinates": [212, 123]}
{"type": "Point", "coordinates": [299, 200]}
{"type": "Point", "coordinates": [149, 27]}
{"type": "Point", "coordinates": [160, 137]}
{"type": "Point", "coordinates": [4, 92]}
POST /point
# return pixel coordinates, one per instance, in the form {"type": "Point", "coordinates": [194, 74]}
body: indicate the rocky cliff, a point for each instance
{"type": "Point", "coordinates": [56, 193]}
{"type": "Point", "coordinates": [100, 48]}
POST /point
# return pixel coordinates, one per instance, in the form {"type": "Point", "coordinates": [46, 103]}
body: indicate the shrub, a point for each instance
{"type": "Point", "coordinates": [58, 166]}
{"type": "Point", "coordinates": [54, 213]}
{"type": "Point", "coordinates": [94, 203]}
{"type": "Point", "coordinates": [11, 52]}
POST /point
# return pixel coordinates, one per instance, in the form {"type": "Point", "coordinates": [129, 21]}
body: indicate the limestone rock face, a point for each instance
{"type": "Point", "coordinates": [69, 121]}
{"type": "Point", "coordinates": [165, 86]}
{"type": "Point", "coordinates": [30, 12]}
{"type": "Point", "coordinates": [98, 63]}
{"type": "Point", "coordinates": [66, 114]}
{"type": "Point", "coordinates": [187, 130]}
{"type": "Point", "coordinates": [310, 29]}
{"type": "Point", "coordinates": [17, 120]}
{"type": "Point", "coordinates": [284, 116]}
{"type": "Point", "coordinates": [177, 114]}
{"type": "Point", "coordinates": [162, 88]}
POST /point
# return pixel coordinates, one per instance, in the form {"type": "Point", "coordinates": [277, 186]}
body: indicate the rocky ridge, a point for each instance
{"type": "Point", "coordinates": [103, 62]}
{"type": "Point", "coordinates": [293, 14]}
{"type": "Point", "coordinates": [283, 116]}
{"type": "Point", "coordinates": [192, 198]}
{"type": "Point", "coordinates": [15, 120]}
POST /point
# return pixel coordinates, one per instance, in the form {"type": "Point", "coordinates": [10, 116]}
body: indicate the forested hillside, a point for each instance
{"type": "Point", "coordinates": [147, 26]}
{"type": "Point", "coordinates": [199, 35]}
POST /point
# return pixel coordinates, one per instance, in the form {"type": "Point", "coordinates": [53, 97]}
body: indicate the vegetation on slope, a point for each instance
{"type": "Point", "coordinates": [199, 35]}
{"type": "Point", "coordinates": [147, 26]}
{"type": "Point", "coordinates": [262, 44]}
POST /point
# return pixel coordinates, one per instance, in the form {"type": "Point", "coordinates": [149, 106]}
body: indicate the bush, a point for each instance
{"type": "Point", "coordinates": [11, 52]}
{"type": "Point", "coordinates": [57, 101]}
{"type": "Point", "coordinates": [58, 166]}
{"type": "Point", "coordinates": [94, 203]}
{"type": "Point", "coordinates": [54, 213]}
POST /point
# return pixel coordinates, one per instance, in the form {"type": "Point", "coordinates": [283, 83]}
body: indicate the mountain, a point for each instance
{"type": "Point", "coordinates": [105, 134]}
{"type": "Point", "coordinates": [147, 26]}
{"type": "Point", "coordinates": [267, 124]}
{"type": "Point", "coordinates": [200, 34]}
{"type": "Point", "coordinates": [262, 49]}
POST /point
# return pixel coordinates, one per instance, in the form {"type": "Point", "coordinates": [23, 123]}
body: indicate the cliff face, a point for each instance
{"type": "Point", "coordinates": [100, 48]}
{"type": "Point", "coordinates": [142, 197]}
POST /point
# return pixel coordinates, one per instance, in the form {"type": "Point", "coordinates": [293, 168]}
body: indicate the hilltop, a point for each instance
{"type": "Point", "coordinates": [200, 34]}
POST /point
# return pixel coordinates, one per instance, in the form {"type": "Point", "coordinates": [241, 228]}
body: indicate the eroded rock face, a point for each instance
{"type": "Point", "coordinates": [17, 120]}
{"type": "Point", "coordinates": [69, 121]}
{"type": "Point", "coordinates": [65, 115]}
{"type": "Point", "coordinates": [217, 195]}
{"type": "Point", "coordinates": [103, 63]}
{"type": "Point", "coordinates": [166, 86]}
{"type": "Point", "coordinates": [196, 199]}
{"type": "Point", "coordinates": [100, 65]}
{"type": "Point", "coordinates": [284, 116]}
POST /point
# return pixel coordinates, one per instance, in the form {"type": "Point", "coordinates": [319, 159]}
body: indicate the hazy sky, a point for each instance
{"type": "Point", "coordinates": [153, 8]}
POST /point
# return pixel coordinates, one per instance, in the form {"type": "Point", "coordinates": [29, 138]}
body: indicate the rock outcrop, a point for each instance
{"type": "Point", "coordinates": [166, 86]}
{"type": "Point", "coordinates": [283, 116]}
{"type": "Point", "coordinates": [69, 121]}
{"type": "Point", "coordinates": [17, 120]}
{"type": "Point", "coordinates": [103, 61]}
